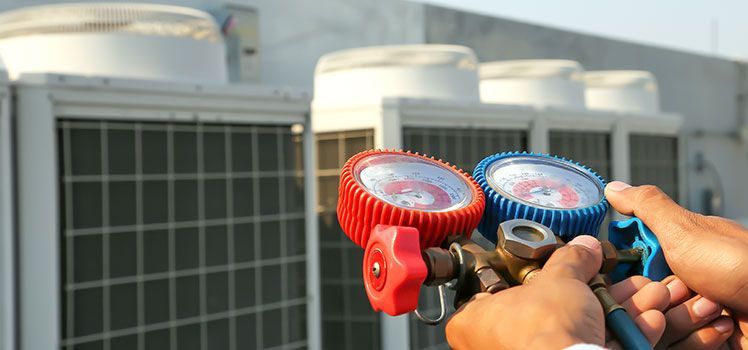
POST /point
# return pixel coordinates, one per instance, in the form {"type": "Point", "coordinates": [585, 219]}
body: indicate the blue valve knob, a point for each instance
{"type": "Point", "coordinates": [633, 234]}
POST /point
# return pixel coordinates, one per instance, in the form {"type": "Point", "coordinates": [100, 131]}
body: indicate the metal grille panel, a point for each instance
{"type": "Point", "coordinates": [589, 148]}
{"type": "Point", "coordinates": [465, 148]}
{"type": "Point", "coordinates": [347, 319]}
{"type": "Point", "coordinates": [181, 236]}
{"type": "Point", "coordinates": [654, 161]}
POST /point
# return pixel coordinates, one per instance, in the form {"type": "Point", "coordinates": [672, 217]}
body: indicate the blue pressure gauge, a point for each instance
{"type": "Point", "coordinates": [568, 198]}
{"type": "Point", "coordinates": [556, 192]}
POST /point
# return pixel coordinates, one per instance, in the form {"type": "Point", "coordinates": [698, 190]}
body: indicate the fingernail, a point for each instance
{"type": "Point", "coordinates": [705, 307]}
{"type": "Point", "coordinates": [678, 290]}
{"type": "Point", "coordinates": [617, 186]}
{"type": "Point", "coordinates": [723, 325]}
{"type": "Point", "coordinates": [586, 241]}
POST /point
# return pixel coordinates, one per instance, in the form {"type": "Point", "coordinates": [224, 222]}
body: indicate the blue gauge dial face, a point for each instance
{"type": "Point", "coordinates": [545, 182]}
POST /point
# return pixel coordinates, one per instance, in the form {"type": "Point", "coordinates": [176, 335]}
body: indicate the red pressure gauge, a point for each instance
{"type": "Point", "coordinates": [395, 203]}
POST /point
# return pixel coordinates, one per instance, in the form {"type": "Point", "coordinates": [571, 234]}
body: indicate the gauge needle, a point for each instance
{"type": "Point", "coordinates": [538, 190]}
{"type": "Point", "coordinates": [544, 190]}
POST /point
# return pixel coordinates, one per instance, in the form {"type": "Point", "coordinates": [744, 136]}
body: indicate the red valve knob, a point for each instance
{"type": "Point", "coordinates": [393, 269]}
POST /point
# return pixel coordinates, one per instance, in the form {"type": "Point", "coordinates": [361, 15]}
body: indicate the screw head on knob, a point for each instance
{"type": "Point", "coordinates": [378, 268]}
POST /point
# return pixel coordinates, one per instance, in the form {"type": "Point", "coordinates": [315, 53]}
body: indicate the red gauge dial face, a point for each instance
{"type": "Point", "coordinates": [412, 182]}
{"type": "Point", "coordinates": [545, 182]}
{"type": "Point", "coordinates": [417, 195]}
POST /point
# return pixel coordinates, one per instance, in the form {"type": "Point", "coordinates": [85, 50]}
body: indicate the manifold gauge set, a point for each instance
{"type": "Point", "coordinates": [414, 216]}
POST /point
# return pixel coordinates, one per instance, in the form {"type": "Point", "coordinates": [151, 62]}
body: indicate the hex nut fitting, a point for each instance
{"type": "Point", "coordinates": [526, 239]}
{"type": "Point", "coordinates": [610, 257]}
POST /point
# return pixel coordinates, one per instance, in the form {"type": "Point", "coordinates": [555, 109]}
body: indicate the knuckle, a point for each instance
{"type": "Point", "coordinates": [571, 261]}
{"type": "Point", "coordinates": [660, 295]}
{"type": "Point", "coordinates": [570, 256]}
{"type": "Point", "coordinates": [649, 192]}
{"type": "Point", "coordinates": [657, 287]}
{"type": "Point", "coordinates": [582, 255]}
{"type": "Point", "coordinates": [636, 281]}
{"type": "Point", "coordinates": [565, 268]}
{"type": "Point", "coordinates": [640, 280]}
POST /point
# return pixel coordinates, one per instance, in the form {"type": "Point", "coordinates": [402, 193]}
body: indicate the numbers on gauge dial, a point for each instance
{"type": "Point", "coordinates": [412, 182]}
{"type": "Point", "coordinates": [545, 183]}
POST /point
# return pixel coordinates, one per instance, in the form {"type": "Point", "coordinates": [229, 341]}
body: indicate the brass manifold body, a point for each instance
{"type": "Point", "coordinates": [522, 249]}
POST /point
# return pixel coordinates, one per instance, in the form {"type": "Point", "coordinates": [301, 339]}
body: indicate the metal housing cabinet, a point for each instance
{"type": "Point", "coordinates": [7, 220]}
{"type": "Point", "coordinates": [636, 148]}
{"type": "Point", "coordinates": [164, 215]}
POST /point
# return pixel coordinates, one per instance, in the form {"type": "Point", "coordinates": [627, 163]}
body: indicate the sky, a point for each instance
{"type": "Point", "coordinates": [681, 24]}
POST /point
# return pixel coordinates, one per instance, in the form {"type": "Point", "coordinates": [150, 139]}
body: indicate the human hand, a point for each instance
{"type": "Point", "coordinates": [707, 253]}
{"type": "Point", "coordinates": [693, 322]}
{"type": "Point", "coordinates": [739, 339]}
{"type": "Point", "coordinates": [644, 300]}
{"type": "Point", "coordinates": [557, 308]}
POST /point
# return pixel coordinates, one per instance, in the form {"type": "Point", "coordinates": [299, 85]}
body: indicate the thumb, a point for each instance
{"type": "Point", "coordinates": [660, 213]}
{"type": "Point", "coordinates": [579, 259]}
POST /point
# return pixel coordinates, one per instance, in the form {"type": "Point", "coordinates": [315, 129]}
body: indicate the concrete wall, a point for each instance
{"type": "Point", "coordinates": [295, 33]}
{"type": "Point", "coordinates": [703, 89]}
{"type": "Point", "coordinates": [711, 84]}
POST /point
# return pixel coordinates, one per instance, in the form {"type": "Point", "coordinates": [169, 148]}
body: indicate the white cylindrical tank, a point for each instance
{"type": "Point", "coordinates": [143, 41]}
{"type": "Point", "coordinates": [623, 91]}
{"type": "Point", "coordinates": [540, 83]}
{"type": "Point", "coordinates": [366, 75]}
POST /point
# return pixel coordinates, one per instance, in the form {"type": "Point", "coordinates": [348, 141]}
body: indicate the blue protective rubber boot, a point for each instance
{"type": "Point", "coordinates": [633, 234]}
